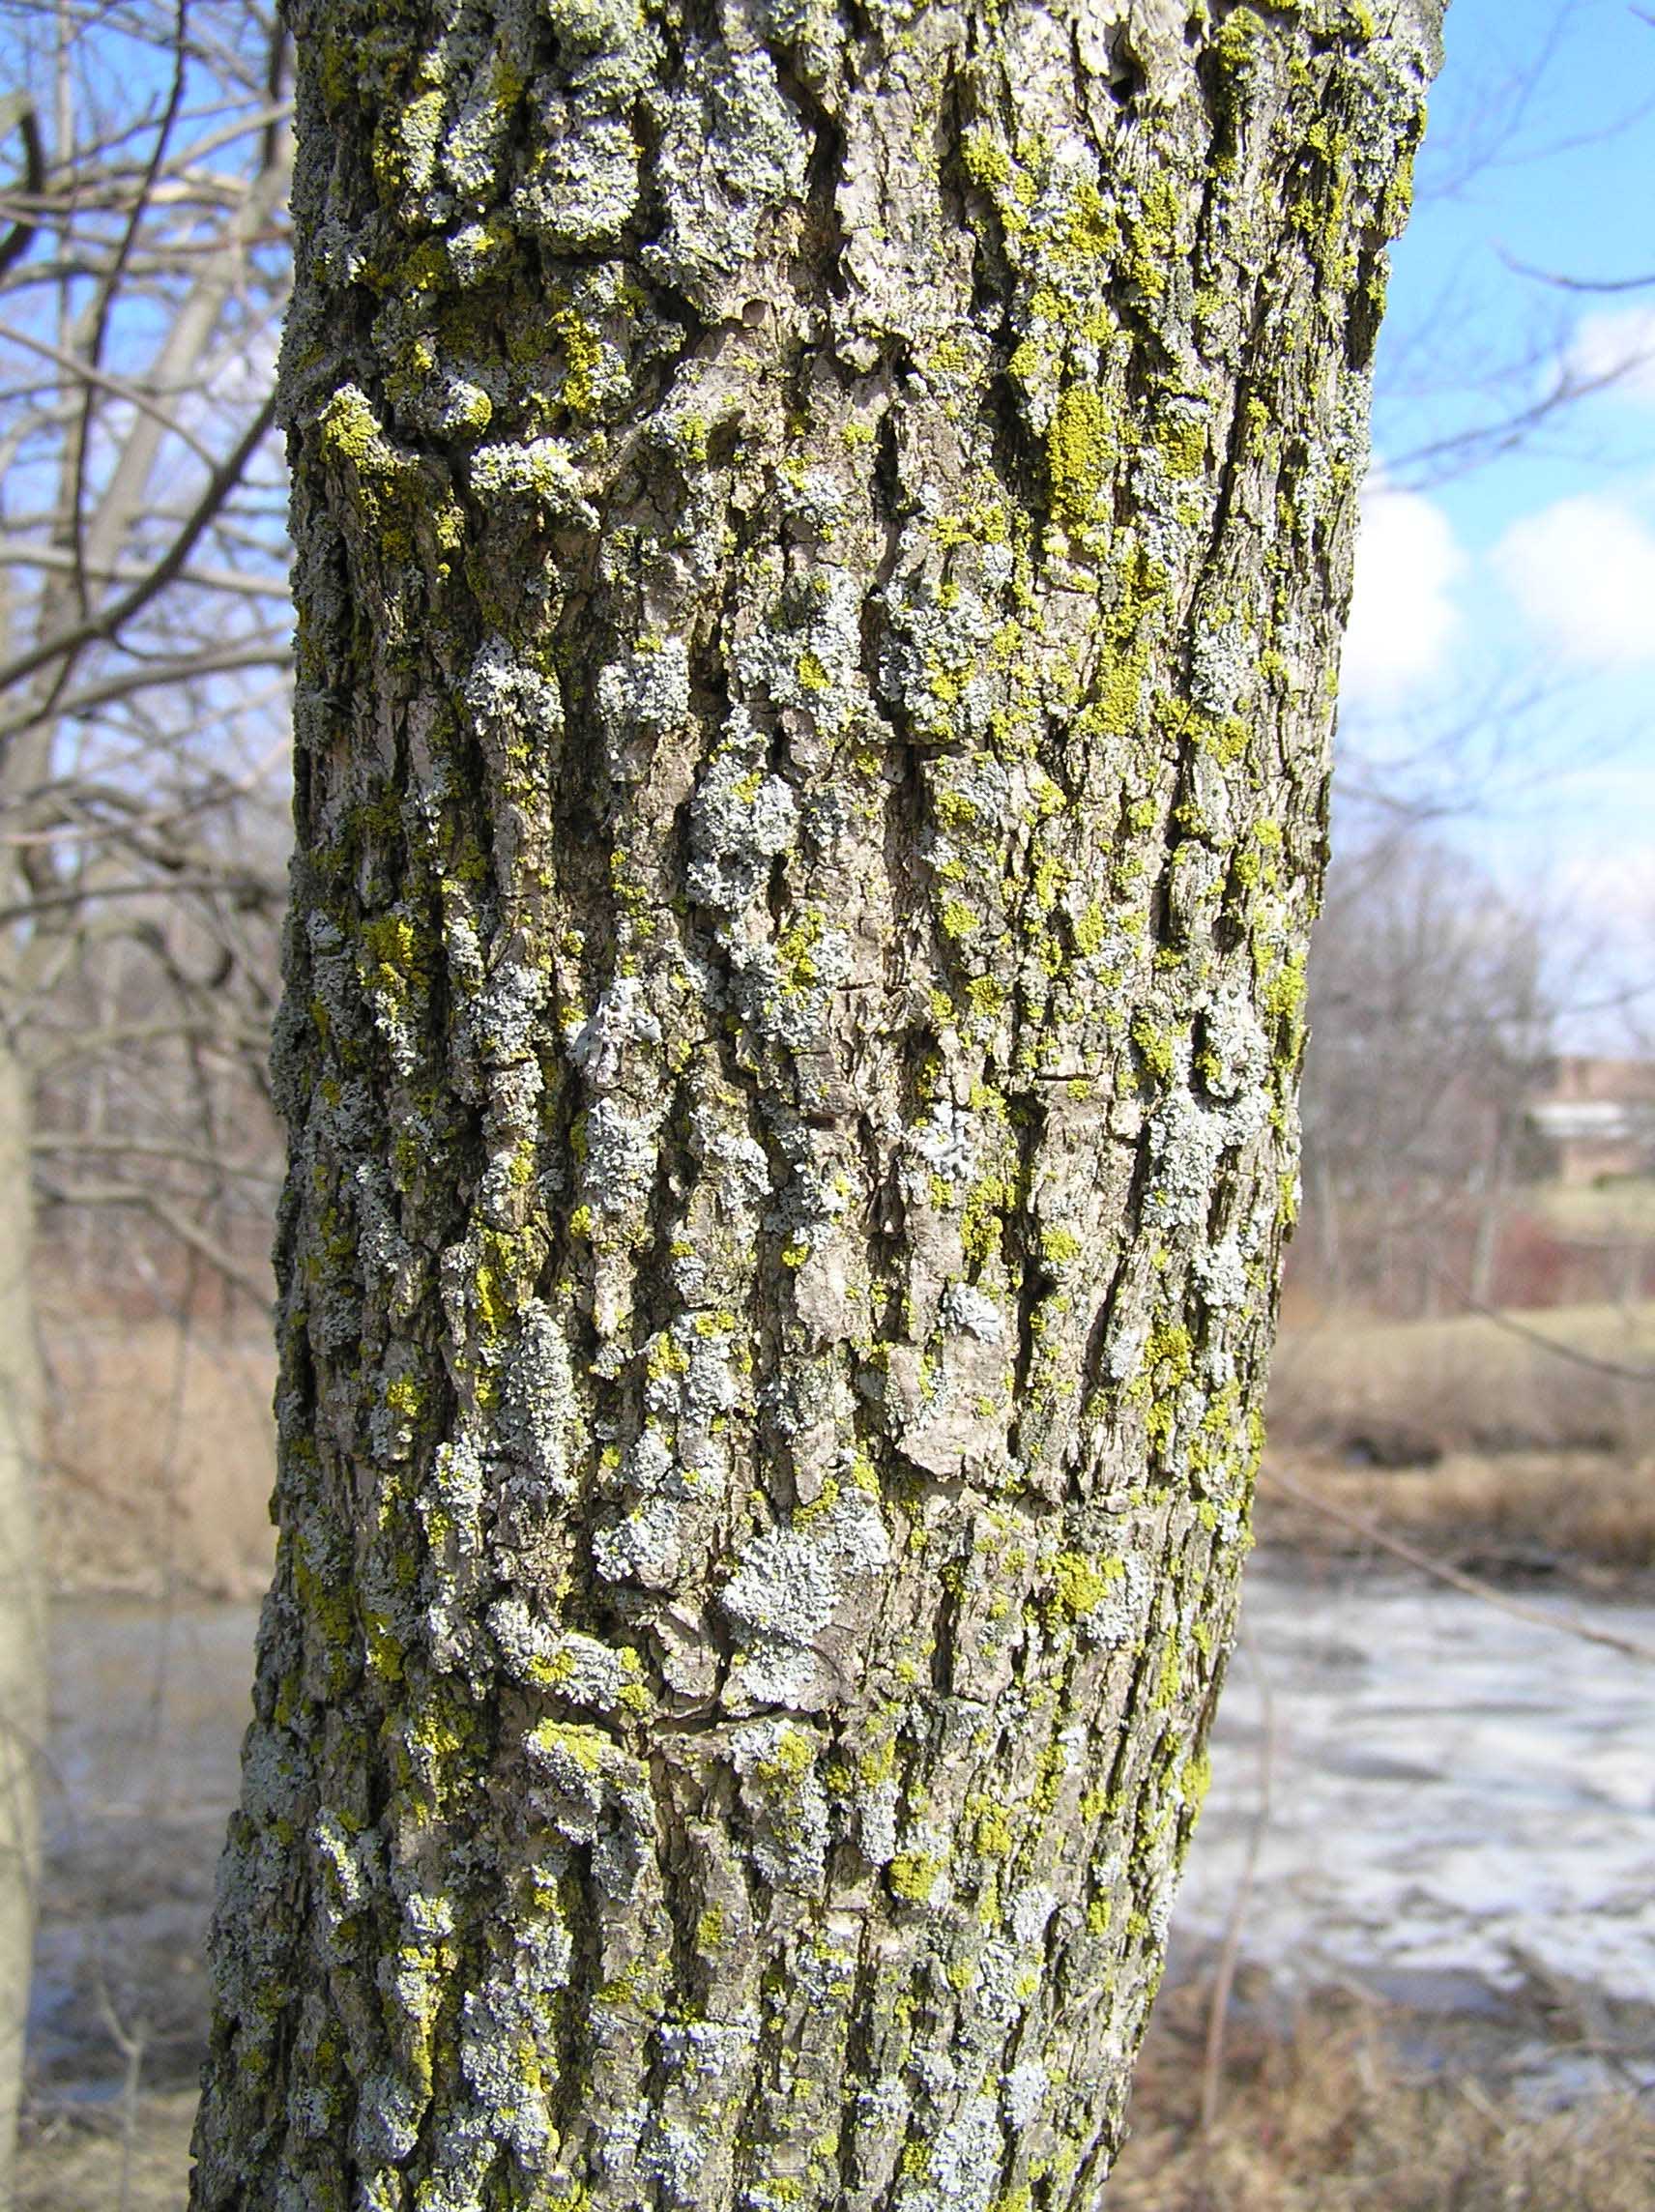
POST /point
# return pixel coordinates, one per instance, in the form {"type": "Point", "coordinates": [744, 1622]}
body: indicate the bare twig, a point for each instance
{"type": "Point", "coordinates": [176, 1224]}
{"type": "Point", "coordinates": [1562, 1624]}
{"type": "Point", "coordinates": [1594, 1362]}
{"type": "Point", "coordinates": [17, 114]}
{"type": "Point", "coordinates": [64, 645]}
{"type": "Point", "coordinates": [1230, 1950]}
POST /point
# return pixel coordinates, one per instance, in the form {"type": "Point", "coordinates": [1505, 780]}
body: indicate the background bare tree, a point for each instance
{"type": "Point", "coordinates": [1431, 1020]}
{"type": "Point", "coordinates": [143, 649]}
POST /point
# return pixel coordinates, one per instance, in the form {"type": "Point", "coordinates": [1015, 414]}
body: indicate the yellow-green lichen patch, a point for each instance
{"type": "Point", "coordinates": [1080, 458]}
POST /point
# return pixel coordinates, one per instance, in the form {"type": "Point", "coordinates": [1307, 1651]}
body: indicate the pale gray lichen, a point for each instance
{"type": "Point", "coordinates": [504, 694]}
{"type": "Point", "coordinates": [619, 1162]}
{"type": "Point", "coordinates": [1222, 662]}
{"type": "Point", "coordinates": [1222, 1273]}
{"type": "Point", "coordinates": [584, 185]}
{"type": "Point", "coordinates": [1187, 1140]}
{"type": "Point", "coordinates": [967, 1308]}
{"type": "Point", "coordinates": [540, 1414]}
{"type": "Point", "coordinates": [947, 1140]}
{"type": "Point", "coordinates": [877, 1807]}
{"type": "Point", "coordinates": [808, 654]}
{"type": "Point", "coordinates": [647, 690]}
{"type": "Point", "coordinates": [543, 470]}
{"type": "Point", "coordinates": [645, 1547]}
{"type": "Point", "coordinates": [1023, 2092]}
{"type": "Point", "coordinates": [741, 821]}
{"type": "Point", "coordinates": [731, 149]}
{"type": "Point", "coordinates": [961, 2173]}
{"type": "Point", "coordinates": [623, 1017]}
{"type": "Point", "coordinates": [791, 1827]}
{"type": "Point", "coordinates": [788, 1587]}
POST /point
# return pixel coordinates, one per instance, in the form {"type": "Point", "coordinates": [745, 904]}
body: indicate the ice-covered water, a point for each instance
{"type": "Point", "coordinates": [1456, 1797]}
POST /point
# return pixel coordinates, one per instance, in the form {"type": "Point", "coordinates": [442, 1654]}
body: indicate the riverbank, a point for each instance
{"type": "Point", "coordinates": [1582, 1521]}
{"type": "Point", "coordinates": [1345, 2105]}
{"type": "Point", "coordinates": [1334, 2110]}
{"type": "Point", "coordinates": [1444, 1951]}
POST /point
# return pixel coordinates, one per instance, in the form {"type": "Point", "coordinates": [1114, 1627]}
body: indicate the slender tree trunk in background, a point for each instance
{"type": "Point", "coordinates": [22, 1619]}
{"type": "Point", "coordinates": [821, 545]}
{"type": "Point", "coordinates": [22, 1679]}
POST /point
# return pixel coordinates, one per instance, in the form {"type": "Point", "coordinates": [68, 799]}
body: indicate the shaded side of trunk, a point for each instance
{"type": "Point", "coordinates": [820, 543]}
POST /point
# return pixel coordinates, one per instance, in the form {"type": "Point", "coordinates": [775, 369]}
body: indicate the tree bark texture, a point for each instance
{"type": "Point", "coordinates": [821, 535]}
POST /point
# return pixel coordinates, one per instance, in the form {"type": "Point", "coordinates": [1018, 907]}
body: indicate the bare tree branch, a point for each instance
{"type": "Point", "coordinates": [66, 645]}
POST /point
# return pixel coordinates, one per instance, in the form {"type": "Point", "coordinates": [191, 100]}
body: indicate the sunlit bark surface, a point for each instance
{"type": "Point", "coordinates": [821, 535]}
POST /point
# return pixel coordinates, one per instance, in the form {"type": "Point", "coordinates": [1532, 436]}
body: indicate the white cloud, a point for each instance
{"type": "Point", "coordinates": [1403, 614]}
{"type": "Point", "coordinates": [1618, 342]}
{"type": "Point", "coordinates": [1609, 889]}
{"type": "Point", "coordinates": [1583, 573]}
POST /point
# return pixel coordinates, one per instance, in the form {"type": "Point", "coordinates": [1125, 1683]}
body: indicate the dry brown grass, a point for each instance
{"type": "Point", "coordinates": [1323, 2118]}
{"type": "Point", "coordinates": [109, 2160]}
{"type": "Point", "coordinates": [160, 1452]}
{"type": "Point", "coordinates": [1466, 1383]}
{"type": "Point", "coordinates": [96, 2162]}
{"type": "Point", "coordinates": [159, 1444]}
{"type": "Point", "coordinates": [1516, 1511]}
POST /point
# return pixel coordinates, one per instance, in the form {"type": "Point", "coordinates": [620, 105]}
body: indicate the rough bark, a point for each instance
{"type": "Point", "coordinates": [821, 537]}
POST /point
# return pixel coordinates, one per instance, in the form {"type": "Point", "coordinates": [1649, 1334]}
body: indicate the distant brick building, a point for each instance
{"type": "Point", "coordinates": [1590, 1120]}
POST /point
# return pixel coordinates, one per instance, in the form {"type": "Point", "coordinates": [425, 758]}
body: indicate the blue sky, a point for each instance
{"type": "Point", "coordinates": [1515, 599]}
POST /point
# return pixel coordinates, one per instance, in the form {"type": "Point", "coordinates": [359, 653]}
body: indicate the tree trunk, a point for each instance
{"type": "Point", "coordinates": [821, 546]}
{"type": "Point", "coordinates": [22, 1679]}
{"type": "Point", "coordinates": [22, 1617]}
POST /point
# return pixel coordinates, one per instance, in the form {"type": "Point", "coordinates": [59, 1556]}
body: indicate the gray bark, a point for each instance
{"type": "Point", "coordinates": [820, 539]}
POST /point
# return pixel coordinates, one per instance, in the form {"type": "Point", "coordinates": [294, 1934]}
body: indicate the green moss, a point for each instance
{"type": "Point", "coordinates": [588, 1747]}
{"type": "Point", "coordinates": [995, 1836]}
{"type": "Point", "coordinates": [1091, 232]}
{"type": "Point", "coordinates": [1154, 1048]}
{"type": "Point", "coordinates": [1153, 238]}
{"type": "Point", "coordinates": [392, 495]}
{"type": "Point", "coordinates": [384, 1650]}
{"type": "Point", "coordinates": [583, 359]}
{"type": "Point", "coordinates": [1169, 1357]}
{"type": "Point", "coordinates": [351, 428]}
{"type": "Point", "coordinates": [1050, 1768]}
{"type": "Point", "coordinates": [1089, 931]}
{"type": "Point", "coordinates": [982, 1222]}
{"type": "Point", "coordinates": [1181, 442]}
{"type": "Point", "coordinates": [1284, 996]}
{"type": "Point", "coordinates": [326, 1605]}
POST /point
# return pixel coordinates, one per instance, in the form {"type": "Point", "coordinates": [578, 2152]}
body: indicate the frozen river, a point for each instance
{"type": "Point", "coordinates": [1455, 1796]}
